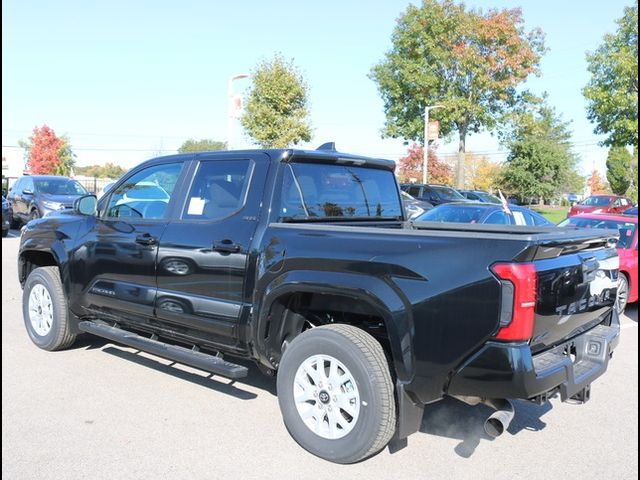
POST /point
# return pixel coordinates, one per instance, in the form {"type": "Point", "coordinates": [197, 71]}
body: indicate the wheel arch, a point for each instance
{"type": "Point", "coordinates": [358, 297]}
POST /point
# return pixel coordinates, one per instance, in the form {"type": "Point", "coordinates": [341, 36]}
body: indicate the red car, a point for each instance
{"type": "Point", "coordinates": [627, 249]}
{"type": "Point", "coordinates": [601, 204]}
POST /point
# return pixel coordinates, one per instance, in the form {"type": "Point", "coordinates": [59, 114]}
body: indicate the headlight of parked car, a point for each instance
{"type": "Point", "coordinates": [414, 211]}
{"type": "Point", "coordinates": [52, 205]}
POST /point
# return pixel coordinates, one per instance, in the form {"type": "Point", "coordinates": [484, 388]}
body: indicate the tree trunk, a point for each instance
{"type": "Point", "coordinates": [461, 159]}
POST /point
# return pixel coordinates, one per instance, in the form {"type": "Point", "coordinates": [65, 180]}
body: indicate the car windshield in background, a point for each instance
{"type": "Point", "coordinates": [454, 214]}
{"type": "Point", "coordinates": [59, 186]}
{"type": "Point", "coordinates": [597, 201]}
{"type": "Point", "coordinates": [312, 191]}
{"type": "Point", "coordinates": [627, 229]}
{"type": "Point", "coordinates": [487, 197]}
{"type": "Point", "coordinates": [447, 193]}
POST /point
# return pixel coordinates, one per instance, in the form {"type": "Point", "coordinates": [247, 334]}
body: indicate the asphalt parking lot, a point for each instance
{"type": "Point", "coordinates": [104, 411]}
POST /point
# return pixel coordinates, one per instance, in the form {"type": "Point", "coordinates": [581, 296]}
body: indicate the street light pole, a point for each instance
{"type": "Point", "coordinates": [231, 114]}
{"type": "Point", "coordinates": [425, 153]}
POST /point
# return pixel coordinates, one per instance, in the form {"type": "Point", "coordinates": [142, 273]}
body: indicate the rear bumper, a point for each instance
{"type": "Point", "coordinates": [507, 370]}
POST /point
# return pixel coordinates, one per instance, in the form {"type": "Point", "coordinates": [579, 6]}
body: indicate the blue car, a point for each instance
{"type": "Point", "coordinates": [485, 214]}
{"type": "Point", "coordinates": [631, 211]}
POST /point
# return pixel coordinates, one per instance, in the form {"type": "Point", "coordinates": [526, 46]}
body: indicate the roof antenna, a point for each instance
{"type": "Point", "coordinates": [329, 146]}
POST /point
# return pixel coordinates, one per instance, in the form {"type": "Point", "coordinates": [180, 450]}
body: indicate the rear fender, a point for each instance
{"type": "Point", "coordinates": [374, 292]}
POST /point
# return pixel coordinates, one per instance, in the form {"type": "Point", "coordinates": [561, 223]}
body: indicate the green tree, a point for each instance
{"type": "Point", "coordinates": [469, 61]}
{"type": "Point", "coordinates": [619, 170]}
{"type": "Point", "coordinates": [276, 112]}
{"type": "Point", "coordinates": [108, 170]}
{"type": "Point", "coordinates": [204, 145]}
{"type": "Point", "coordinates": [612, 92]}
{"type": "Point", "coordinates": [633, 188]}
{"type": "Point", "coordinates": [540, 164]}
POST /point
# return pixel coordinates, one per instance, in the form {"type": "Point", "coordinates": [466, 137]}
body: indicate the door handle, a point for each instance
{"type": "Point", "coordinates": [146, 239]}
{"type": "Point", "coordinates": [226, 246]}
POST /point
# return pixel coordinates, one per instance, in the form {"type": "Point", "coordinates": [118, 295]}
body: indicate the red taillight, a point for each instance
{"type": "Point", "coordinates": [521, 296]}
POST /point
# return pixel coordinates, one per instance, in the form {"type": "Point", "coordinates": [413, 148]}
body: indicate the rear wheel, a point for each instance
{"type": "Point", "coordinates": [336, 394]}
{"type": "Point", "coordinates": [34, 215]}
{"type": "Point", "coordinates": [622, 297]}
{"type": "Point", "coordinates": [44, 307]}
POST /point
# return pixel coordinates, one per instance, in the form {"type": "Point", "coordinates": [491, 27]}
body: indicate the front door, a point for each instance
{"type": "Point", "coordinates": [116, 262]}
{"type": "Point", "coordinates": [202, 259]}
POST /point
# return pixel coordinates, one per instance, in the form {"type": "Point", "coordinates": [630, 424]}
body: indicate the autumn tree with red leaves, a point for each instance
{"type": "Point", "coordinates": [410, 167]}
{"type": "Point", "coordinates": [597, 184]}
{"type": "Point", "coordinates": [48, 154]}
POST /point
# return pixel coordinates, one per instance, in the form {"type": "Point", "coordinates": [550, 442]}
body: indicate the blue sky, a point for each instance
{"type": "Point", "coordinates": [126, 80]}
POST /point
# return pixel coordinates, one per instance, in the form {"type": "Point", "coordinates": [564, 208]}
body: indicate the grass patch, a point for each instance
{"type": "Point", "coordinates": [553, 214]}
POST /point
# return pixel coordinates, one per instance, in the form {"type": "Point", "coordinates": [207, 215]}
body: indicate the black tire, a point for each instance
{"type": "Point", "coordinates": [622, 299]}
{"type": "Point", "coordinates": [365, 359]}
{"type": "Point", "coordinates": [34, 215]}
{"type": "Point", "coordinates": [59, 335]}
{"type": "Point", "coordinates": [15, 222]}
{"type": "Point", "coordinates": [5, 232]}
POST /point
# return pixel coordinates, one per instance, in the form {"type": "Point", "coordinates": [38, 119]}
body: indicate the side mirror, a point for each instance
{"type": "Point", "coordinates": [86, 205]}
{"type": "Point", "coordinates": [26, 191]}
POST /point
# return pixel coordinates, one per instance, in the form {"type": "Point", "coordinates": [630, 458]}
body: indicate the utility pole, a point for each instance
{"type": "Point", "coordinates": [426, 142]}
{"type": "Point", "coordinates": [232, 108]}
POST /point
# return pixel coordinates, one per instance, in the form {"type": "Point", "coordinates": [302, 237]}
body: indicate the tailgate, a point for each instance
{"type": "Point", "coordinates": [576, 292]}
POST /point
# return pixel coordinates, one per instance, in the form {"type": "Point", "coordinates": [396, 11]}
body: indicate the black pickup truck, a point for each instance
{"type": "Point", "coordinates": [303, 261]}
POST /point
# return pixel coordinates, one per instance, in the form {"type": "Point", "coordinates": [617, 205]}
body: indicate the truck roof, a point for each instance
{"type": "Point", "coordinates": [288, 155]}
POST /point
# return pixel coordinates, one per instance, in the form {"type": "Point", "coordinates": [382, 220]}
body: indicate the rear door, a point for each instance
{"type": "Point", "coordinates": [116, 263]}
{"type": "Point", "coordinates": [202, 259]}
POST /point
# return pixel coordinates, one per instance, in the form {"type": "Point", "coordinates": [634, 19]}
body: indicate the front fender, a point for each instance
{"type": "Point", "coordinates": [377, 293]}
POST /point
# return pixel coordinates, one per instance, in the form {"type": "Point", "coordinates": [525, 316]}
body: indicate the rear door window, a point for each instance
{"type": "Point", "coordinates": [219, 189]}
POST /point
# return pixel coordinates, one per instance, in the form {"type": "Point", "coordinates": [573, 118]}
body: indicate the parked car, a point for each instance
{"type": "Point", "coordinates": [601, 204]}
{"type": "Point", "coordinates": [6, 217]}
{"type": "Point", "coordinates": [434, 194]}
{"type": "Point", "coordinates": [627, 250]}
{"type": "Point", "coordinates": [573, 198]}
{"type": "Point", "coordinates": [38, 195]}
{"type": "Point", "coordinates": [303, 262]}
{"type": "Point", "coordinates": [105, 189]}
{"type": "Point", "coordinates": [484, 214]}
{"type": "Point", "coordinates": [413, 206]}
{"type": "Point", "coordinates": [480, 196]}
{"type": "Point", "coordinates": [631, 211]}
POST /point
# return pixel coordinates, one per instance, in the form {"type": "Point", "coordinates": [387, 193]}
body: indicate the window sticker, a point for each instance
{"type": "Point", "coordinates": [196, 206]}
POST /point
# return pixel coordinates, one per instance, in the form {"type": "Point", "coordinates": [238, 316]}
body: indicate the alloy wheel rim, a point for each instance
{"type": "Point", "coordinates": [326, 397]}
{"type": "Point", "coordinates": [40, 310]}
{"type": "Point", "coordinates": [621, 298]}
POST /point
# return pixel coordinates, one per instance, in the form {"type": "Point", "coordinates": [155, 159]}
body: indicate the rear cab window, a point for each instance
{"type": "Point", "coordinates": [314, 191]}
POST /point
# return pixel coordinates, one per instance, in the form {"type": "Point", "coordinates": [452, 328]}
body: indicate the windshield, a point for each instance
{"type": "Point", "coordinates": [627, 229]}
{"type": "Point", "coordinates": [454, 213]}
{"type": "Point", "coordinates": [597, 201]}
{"type": "Point", "coordinates": [406, 196]}
{"type": "Point", "coordinates": [320, 191]}
{"type": "Point", "coordinates": [487, 197]}
{"type": "Point", "coordinates": [59, 186]}
{"type": "Point", "coordinates": [447, 193]}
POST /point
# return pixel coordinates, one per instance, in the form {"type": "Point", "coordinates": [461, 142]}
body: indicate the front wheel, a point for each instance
{"type": "Point", "coordinates": [44, 307]}
{"type": "Point", "coordinates": [336, 394]}
{"type": "Point", "coordinates": [622, 297]}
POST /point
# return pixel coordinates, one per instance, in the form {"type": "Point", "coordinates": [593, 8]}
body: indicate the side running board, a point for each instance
{"type": "Point", "coordinates": [203, 361]}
